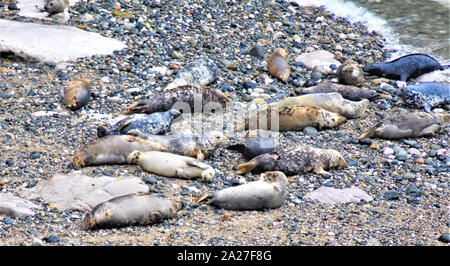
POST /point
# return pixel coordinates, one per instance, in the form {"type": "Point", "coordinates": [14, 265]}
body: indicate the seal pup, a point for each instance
{"type": "Point", "coordinates": [333, 102]}
{"type": "Point", "coordinates": [405, 67]}
{"type": "Point", "coordinates": [347, 91]}
{"type": "Point", "coordinates": [77, 94]}
{"type": "Point", "coordinates": [278, 66]}
{"type": "Point", "coordinates": [56, 6]}
{"type": "Point", "coordinates": [197, 146]}
{"type": "Point", "coordinates": [133, 209]}
{"type": "Point", "coordinates": [155, 123]}
{"type": "Point", "coordinates": [268, 192]}
{"type": "Point", "coordinates": [172, 165]}
{"type": "Point", "coordinates": [291, 117]}
{"type": "Point", "coordinates": [197, 73]}
{"type": "Point", "coordinates": [425, 95]}
{"type": "Point", "coordinates": [350, 73]}
{"type": "Point", "coordinates": [112, 149]}
{"type": "Point", "coordinates": [190, 95]}
{"type": "Point", "coordinates": [253, 146]}
{"type": "Point", "coordinates": [295, 161]}
{"type": "Point", "coordinates": [407, 125]}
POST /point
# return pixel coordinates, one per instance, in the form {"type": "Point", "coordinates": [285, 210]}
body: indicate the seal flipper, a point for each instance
{"type": "Point", "coordinates": [427, 107]}
{"type": "Point", "coordinates": [246, 167]}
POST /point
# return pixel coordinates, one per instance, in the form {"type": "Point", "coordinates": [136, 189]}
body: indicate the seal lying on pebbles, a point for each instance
{"type": "Point", "coordinates": [198, 146]}
{"type": "Point", "coordinates": [252, 147]}
{"type": "Point", "coordinates": [350, 73]}
{"type": "Point", "coordinates": [295, 161]}
{"type": "Point", "coordinates": [405, 67]}
{"type": "Point", "coordinates": [77, 94]}
{"type": "Point", "coordinates": [278, 66]}
{"type": "Point", "coordinates": [172, 165]}
{"type": "Point", "coordinates": [112, 150]}
{"type": "Point", "coordinates": [155, 123]}
{"type": "Point", "coordinates": [292, 117]}
{"type": "Point", "coordinates": [407, 125]}
{"type": "Point", "coordinates": [268, 192]}
{"type": "Point", "coordinates": [195, 97]}
{"type": "Point", "coordinates": [132, 209]}
{"type": "Point", "coordinates": [333, 102]}
{"type": "Point", "coordinates": [425, 95]}
{"type": "Point", "coordinates": [348, 92]}
{"type": "Point", "coordinates": [199, 73]}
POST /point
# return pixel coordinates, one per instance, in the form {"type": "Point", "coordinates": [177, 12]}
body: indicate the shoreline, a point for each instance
{"type": "Point", "coordinates": [37, 148]}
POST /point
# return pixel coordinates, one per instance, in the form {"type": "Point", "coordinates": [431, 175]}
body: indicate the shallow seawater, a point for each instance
{"type": "Point", "coordinates": [408, 25]}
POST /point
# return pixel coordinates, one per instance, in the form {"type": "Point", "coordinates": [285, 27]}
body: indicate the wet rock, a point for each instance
{"type": "Point", "coordinates": [331, 195]}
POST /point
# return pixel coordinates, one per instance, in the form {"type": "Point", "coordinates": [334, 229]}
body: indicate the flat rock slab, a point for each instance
{"type": "Point", "coordinates": [14, 206]}
{"type": "Point", "coordinates": [319, 58]}
{"type": "Point", "coordinates": [76, 191]}
{"type": "Point", "coordinates": [334, 195]}
{"type": "Point", "coordinates": [52, 43]}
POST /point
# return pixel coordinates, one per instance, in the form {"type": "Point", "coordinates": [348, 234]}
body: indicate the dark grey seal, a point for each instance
{"type": "Point", "coordinates": [405, 67]}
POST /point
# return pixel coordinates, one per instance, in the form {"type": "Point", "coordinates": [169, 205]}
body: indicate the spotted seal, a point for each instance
{"type": "Point", "coordinates": [333, 102]}
{"type": "Point", "coordinates": [295, 161]}
{"type": "Point", "coordinates": [347, 91]}
{"type": "Point", "coordinates": [197, 73]}
{"type": "Point", "coordinates": [198, 146]}
{"type": "Point", "coordinates": [350, 73]}
{"type": "Point", "coordinates": [425, 95]}
{"type": "Point", "coordinates": [278, 66]}
{"type": "Point", "coordinates": [77, 94]}
{"type": "Point", "coordinates": [195, 97]}
{"type": "Point", "coordinates": [112, 149]}
{"type": "Point", "coordinates": [132, 209]}
{"type": "Point", "coordinates": [405, 67]}
{"type": "Point", "coordinates": [407, 125]}
{"type": "Point", "coordinates": [155, 123]}
{"type": "Point", "coordinates": [172, 165]}
{"type": "Point", "coordinates": [268, 192]}
{"type": "Point", "coordinates": [291, 117]}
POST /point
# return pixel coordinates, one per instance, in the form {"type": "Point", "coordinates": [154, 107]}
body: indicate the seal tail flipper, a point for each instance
{"type": "Point", "coordinates": [137, 107]}
{"type": "Point", "coordinates": [245, 167]}
{"type": "Point", "coordinates": [237, 147]}
{"type": "Point", "coordinates": [369, 133]}
{"type": "Point", "coordinates": [203, 198]}
{"type": "Point", "coordinates": [444, 67]}
{"type": "Point", "coordinates": [377, 96]}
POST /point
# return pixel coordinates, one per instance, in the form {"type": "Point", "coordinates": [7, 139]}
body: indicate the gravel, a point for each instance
{"type": "Point", "coordinates": [238, 35]}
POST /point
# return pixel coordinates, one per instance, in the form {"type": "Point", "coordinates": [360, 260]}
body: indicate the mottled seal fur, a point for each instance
{"type": "Point", "coordinates": [295, 161]}
{"type": "Point", "coordinates": [198, 73]}
{"type": "Point", "coordinates": [198, 146]}
{"type": "Point", "coordinates": [407, 125]}
{"type": "Point", "coordinates": [112, 149]}
{"type": "Point", "coordinates": [155, 123]}
{"type": "Point", "coordinates": [278, 66]}
{"type": "Point", "coordinates": [132, 209]}
{"type": "Point", "coordinates": [292, 117]}
{"type": "Point", "coordinates": [347, 91]}
{"type": "Point", "coordinates": [405, 67]}
{"type": "Point", "coordinates": [77, 94]}
{"type": "Point", "coordinates": [268, 192]}
{"type": "Point", "coordinates": [425, 95]}
{"type": "Point", "coordinates": [172, 165]}
{"type": "Point", "coordinates": [195, 97]}
{"type": "Point", "coordinates": [333, 102]}
{"type": "Point", "coordinates": [350, 73]}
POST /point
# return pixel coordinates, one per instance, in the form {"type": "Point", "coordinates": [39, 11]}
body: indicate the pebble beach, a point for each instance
{"type": "Point", "coordinates": [408, 179]}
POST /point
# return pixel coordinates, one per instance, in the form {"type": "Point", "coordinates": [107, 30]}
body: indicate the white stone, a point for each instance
{"type": "Point", "coordinates": [53, 43]}
{"type": "Point", "coordinates": [318, 58]}
{"type": "Point", "coordinates": [76, 191]}
{"type": "Point", "coordinates": [333, 195]}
